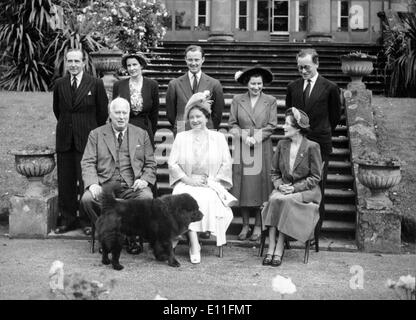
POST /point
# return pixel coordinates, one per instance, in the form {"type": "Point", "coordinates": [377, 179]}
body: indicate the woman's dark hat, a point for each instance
{"type": "Point", "coordinates": [300, 117]}
{"type": "Point", "coordinates": [138, 55]}
{"type": "Point", "coordinates": [243, 77]}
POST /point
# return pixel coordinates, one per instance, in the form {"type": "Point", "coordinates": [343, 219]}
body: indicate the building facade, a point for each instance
{"type": "Point", "coordinates": [283, 20]}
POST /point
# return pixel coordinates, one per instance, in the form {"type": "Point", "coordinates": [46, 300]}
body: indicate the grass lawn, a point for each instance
{"type": "Point", "coordinates": [28, 118]}
{"type": "Point", "coordinates": [396, 136]}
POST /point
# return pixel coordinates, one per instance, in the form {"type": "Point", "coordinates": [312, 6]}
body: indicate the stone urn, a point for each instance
{"type": "Point", "coordinates": [34, 162]}
{"type": "Point", "coordinates": [108, 62]}
{"type": "Point", "coordinates": [357, 65]}
{"type": "Point", "coordinates": [378, 176]}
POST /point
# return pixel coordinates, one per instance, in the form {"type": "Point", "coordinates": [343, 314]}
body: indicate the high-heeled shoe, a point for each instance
{"type": "Point", "coordinates": [277, 260]}
{"type": "Point", "coordinates": [256, 234]}
{"type": "Point", "coordinates": [267, 261]}
{"type": "Point", "coordinates": [195, 258]}
{"type": "Point", "coordinates": [244, 232]}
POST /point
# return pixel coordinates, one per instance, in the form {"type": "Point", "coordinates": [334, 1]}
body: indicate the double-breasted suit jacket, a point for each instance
{"type": "Point", "coordinates": [99, 160]}
{"type": "Point", "coordinates": [251, 181]}
{"type": "Point", "coordinates": [179, 91]}
{"type": "Point", "coordinates": [323, 109]}
{"type": "Point", "coordinates": [147, 118]}
{"type": "Point", "coordinates": [77, 118]}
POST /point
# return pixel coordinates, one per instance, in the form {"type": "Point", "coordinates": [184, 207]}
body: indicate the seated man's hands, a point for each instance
{"type": "Point", "coordinates": [95, 190]}
{"type": "Point", "coordinates": [139, 184]}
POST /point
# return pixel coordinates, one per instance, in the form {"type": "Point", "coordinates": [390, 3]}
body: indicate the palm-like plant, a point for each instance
{"type": "Point", "coordinates": [400, 50]}
{"type": "Point", "coordinates": [24, 30]}
{"type": "Point", "coordinates": [76, 34]}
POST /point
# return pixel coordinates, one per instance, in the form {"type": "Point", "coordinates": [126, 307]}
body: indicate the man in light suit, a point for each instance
{"type": "Point", "coordinates": [80, 105]}
{"type": "Point", "coordinates": [182, 88]}
{"type": "Point", "coordinates": [117, 152]}
{"type": "Point", "coordinates": [319, 98]}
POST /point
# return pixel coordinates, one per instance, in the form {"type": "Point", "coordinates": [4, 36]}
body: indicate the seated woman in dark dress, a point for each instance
{"type": "Point", "coordinates": [141, 92]}
{"type": "Point", "coordinates": [293, 207]}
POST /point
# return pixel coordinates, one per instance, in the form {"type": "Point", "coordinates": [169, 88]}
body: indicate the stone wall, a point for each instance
{"type": "Point", "coordinates": [378, 230]}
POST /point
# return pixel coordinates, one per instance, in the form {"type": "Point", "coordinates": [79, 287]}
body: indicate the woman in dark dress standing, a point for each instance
{"type": "Point", "coordinates": [141, 92]}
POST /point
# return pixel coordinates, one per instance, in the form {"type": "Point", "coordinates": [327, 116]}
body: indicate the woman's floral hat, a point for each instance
{"type": "Point", "coordinates": [243, 76]}
{"type": "Point", "coordinates": [200, 99]}
{"type": "Point", "coordinates": [301, 117]}
{"type": "Point", "coordinates": [137, 55]}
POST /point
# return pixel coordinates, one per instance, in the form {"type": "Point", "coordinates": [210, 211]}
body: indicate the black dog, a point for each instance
{"type": "Point", "coordinates": [160, 221]}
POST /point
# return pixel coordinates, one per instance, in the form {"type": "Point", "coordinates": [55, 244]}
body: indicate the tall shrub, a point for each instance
{"type": "Point", "coordinates": [129, 25]}
{"type": "Point", "coordinates": [75, 32]}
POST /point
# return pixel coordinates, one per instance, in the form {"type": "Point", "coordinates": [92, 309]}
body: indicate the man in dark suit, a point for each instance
{"type": "Point", "coordinates": [80, 105]}
{"type": "Point", "coordinates": [122, 153]}
{"type": "Point", "coordinates": [319, 98]}
{"type": "Point", "coordinates": [182, 88]}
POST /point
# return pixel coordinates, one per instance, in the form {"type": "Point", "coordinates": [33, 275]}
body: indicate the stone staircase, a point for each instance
{"type": "Point", "coordinates": [222, 60]}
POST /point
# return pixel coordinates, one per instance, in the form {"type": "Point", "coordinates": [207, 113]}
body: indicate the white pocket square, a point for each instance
{"type": "Point", "coordinates": [89, 93]}
{"type": "Point", "coordinates": [138, 146]}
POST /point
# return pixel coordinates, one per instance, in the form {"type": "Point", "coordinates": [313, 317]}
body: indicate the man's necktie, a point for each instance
{"type": "Point", "coordinates": [120, 139]}
{"type": "Point", "coordinates": [74, 84]}
{"type": "Point", "coordinates": [307, 92]}
{"type": "Point", "coordinates": [195, 84]}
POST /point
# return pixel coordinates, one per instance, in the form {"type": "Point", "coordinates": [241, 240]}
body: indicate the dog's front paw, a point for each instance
{"type": "Point", "coordinates": [117, 266]}
{"type": "Point", "coordinates": [105, 260]}
{"type": "Point", "coordinates": [174, 263]}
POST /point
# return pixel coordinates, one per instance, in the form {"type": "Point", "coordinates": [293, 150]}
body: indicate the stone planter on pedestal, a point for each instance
{"type": "Point", "coordinates": [34, 213]}
{"type": "Point", "coordinates": [379, 229]}
{"type": "Point", "coordinates": [357, 66]}
{"type": "Point", "coordinates": [378, 177]}
{"type": "Point", "coordinates": [108, 62]}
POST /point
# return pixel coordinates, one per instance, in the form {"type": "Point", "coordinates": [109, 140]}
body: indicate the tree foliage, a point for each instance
{"type": "Point", "coordinates": [34, 44]}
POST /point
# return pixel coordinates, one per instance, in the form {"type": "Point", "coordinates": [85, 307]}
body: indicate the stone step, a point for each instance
{"type": "Point", "coordinates": [327, 226]}
{"type": "Point", "coordinates": [267, 47]}
{"type": "Point", "coordinates": [164, 188]}
{"type": "Point", "coordinates": [279, 92]}
{"type": "Point", "coordinates": [166, 124]}
{"type": "Point", "coordinates": [284, 67]}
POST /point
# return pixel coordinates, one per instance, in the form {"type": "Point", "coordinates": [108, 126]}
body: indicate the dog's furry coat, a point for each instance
{"type": "Point", "coordinates": [160, 221]}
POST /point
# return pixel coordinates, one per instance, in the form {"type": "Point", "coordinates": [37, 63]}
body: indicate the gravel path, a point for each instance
{"type": "Point", "coordinates": [239, 275]}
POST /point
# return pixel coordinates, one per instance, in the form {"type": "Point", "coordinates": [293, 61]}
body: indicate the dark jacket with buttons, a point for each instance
{"type": "Point", "coordinates": [77, 117]}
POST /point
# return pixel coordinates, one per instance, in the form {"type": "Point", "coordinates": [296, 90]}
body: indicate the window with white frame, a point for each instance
{"type": "Point", "coordinates": [261, 11]}
{"type": "Point", "coordinates": [343, 15]}
{"type": "Point", "coordinates": [242, 15]}
{"type": "Point", "coordinates": [302, 15]}
{"type": "Point", "coordinates": [202, 14]}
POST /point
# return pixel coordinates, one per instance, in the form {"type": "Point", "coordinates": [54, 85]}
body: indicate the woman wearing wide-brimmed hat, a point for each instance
{"type": "Point", "coordinates": [253, 119]}
{"type": "Point", "coordinates": [200, 165]}
{"type": "Point", "coordinates": [293, 207]}
{"type": "Point", "coordinates": [141, 92]}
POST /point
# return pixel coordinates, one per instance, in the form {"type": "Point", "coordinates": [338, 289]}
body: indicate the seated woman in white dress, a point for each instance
{"type": "Point", "coordinates": [200, 164]}
{"type": "Point", "coordinates": [293, 207]}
